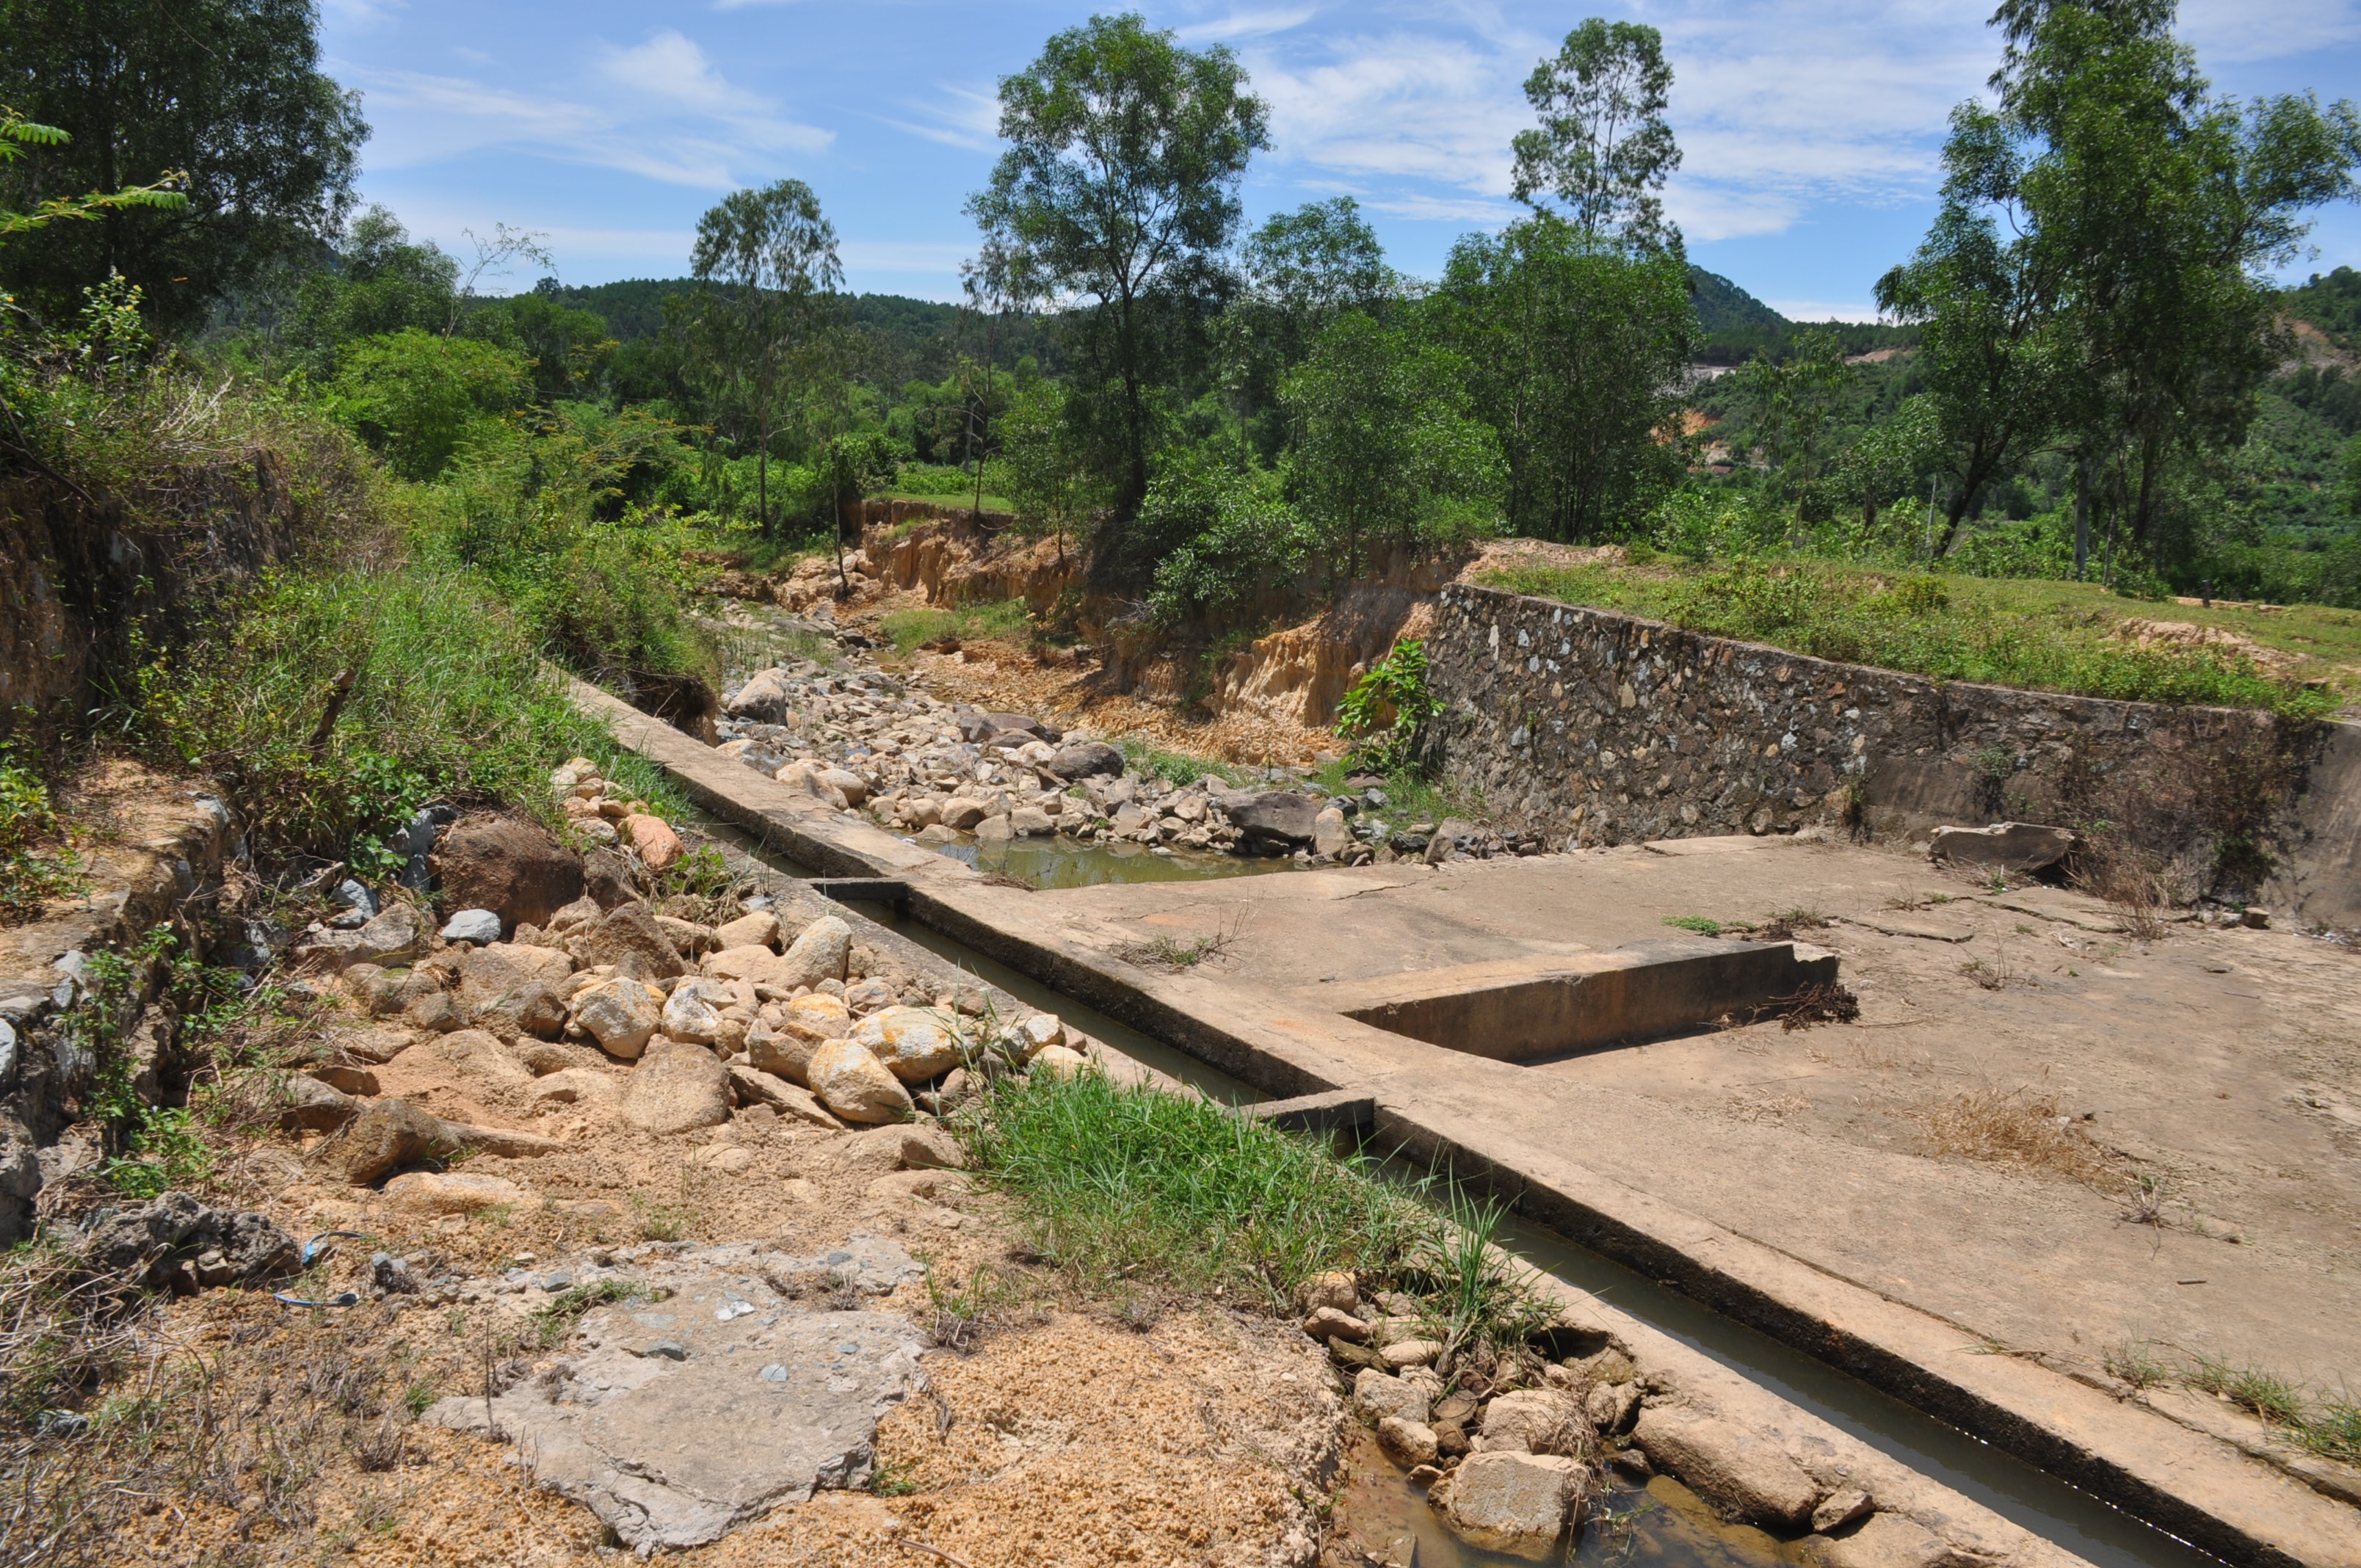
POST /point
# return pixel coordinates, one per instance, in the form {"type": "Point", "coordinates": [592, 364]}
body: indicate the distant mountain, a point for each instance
{"type": "Point", "coordinates": [2331, 303]}
{"type": "Point", "coordinates": [1738, 326]}
{"type": "Point", "coordinates": [1723, 306]}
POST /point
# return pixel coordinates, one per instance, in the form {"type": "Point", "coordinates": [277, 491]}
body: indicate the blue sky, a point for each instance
{"type": "Point", "coordinates": [1810, 126]}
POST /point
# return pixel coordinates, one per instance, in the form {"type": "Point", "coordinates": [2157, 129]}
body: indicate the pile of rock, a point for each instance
{"type": "Point", "coordinates": [561, 967]}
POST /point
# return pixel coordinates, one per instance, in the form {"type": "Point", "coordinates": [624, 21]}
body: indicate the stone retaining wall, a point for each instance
{"type": "Point", "coordinates": [1598, 727]}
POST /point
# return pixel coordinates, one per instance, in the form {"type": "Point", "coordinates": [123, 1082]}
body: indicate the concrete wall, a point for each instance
{"type": "Point", "coordinates": [1602, 727]}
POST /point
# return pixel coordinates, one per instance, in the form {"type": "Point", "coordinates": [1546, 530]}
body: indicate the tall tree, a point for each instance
{"type": "Point", "coordinates": [997, 282]}
{"type": "Point", "coordinates": [227, 92]}
{"type": "Point", "coordinates": [767, 267]}
{"type": "Point", "coordinates": [1578, 350]}
{"type": "Point", "coordinates": [1121, 181]}
{"type": "Point", "coordinates": [1300, 270]}
{"type": "Point", "coordinates": [1796, 402]}
{"type": "Point", "coordinates": [1603, 149]}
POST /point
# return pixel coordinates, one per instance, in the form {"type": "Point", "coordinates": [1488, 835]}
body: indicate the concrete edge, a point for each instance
{"type": "Point", "coordinates": [2241, 1507]}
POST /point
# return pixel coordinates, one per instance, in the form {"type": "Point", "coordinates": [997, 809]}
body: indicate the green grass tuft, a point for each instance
{"type": "Point", "coordinates": [1698, 923]}
{"type": "Point", "coordinates": [909, 629]}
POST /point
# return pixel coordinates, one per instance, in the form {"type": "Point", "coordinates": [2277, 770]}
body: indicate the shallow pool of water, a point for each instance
{"type": "Point", "coordinates": [1068, 862]}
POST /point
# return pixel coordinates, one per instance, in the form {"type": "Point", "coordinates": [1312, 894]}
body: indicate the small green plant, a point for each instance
{"type": "Point", "coordinates": [1698, 923]}
{"type": "Point", "coordinates": [2335, 1432]}
{"type": "Point", "coordinates": [893, 1478]}
{"type": "Point", "coordinates": [555, 1321]}
{"type": "Point", "coordinates": [417, 1398]}
{"type": "Point", "coordinates": [2265, 1394]}
{"type": "Point", "coordinates": [960, 1310]}
{"type": "Point", "coordinates": [910, 630]}
{"type": "Point", "coordinates": [1382, 712]}
{"type": "Point", "coordinates": [30, 875]}
{"type": "Point", "coordinates": [2135, 1363]}
{"type": "Point", "coordinates": [660, 1221]}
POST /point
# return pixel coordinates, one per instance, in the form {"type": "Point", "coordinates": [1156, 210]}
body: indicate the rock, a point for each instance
{"type": "Point", "coordinates": [1334, 1290]}
{"type": "Point", "coordinates": [384, 1135]}
{"type": "Point", "coordinates": [542, 1058]}
{"type": "Point", "coordinates": [1038, 1033]}
{"type": "Point", "coordinates": [345, 1079]}
{"type": "Point", "coordinates": [1407, 1443]}
{"type": "Point", "coordinates": [478, 1054]}
{"type": "Point", "coordinates": [811, 779]}
{"type": "Point", "coordinates": [649, 1455]}
{"type": "Point", "coordinates": [1535, 1421]}
{"type": "Point", "coordinates": [394, 937]}
{"type": "Point", "coordinates": [1330, 836]}
{"type": "Point", "coordinates": [995, 830]}
{"type": "Point", "coordinates": [619, 1014]}
{"type": "Point", "coordinates": [1406, 1353]}
{"type": "Point", "coordinates": [1031, 822]}
{"type": "Point", "coordinates": [1610, 1405]}
{"type": "Point", "coordinates": [1059, 1061]}
{"type": "Point", "coordinates": [759, 929]}
{"type": "Point", "coordinates": [1086, 759]}
{"type": "Point", "coordinates": [752, 962]}
{"type": "Point", "coordinates": [1327, 1323]}
{"type": "Point", "coordinates": [931, 1148]}
{"type": "Point", "coordinates": [856, 1085]}
{"type": "Point", "coordinates": [937, 833]}
{"type": "Point", "coordinates": [693, 1010]}
{"type": "Point", "coordinates": [436, 1013]}
{"type": "Point", "coordinates": [305, 1101]}
{"type": "Point", "coordinates": [1518, 1504]}
{"type": "Point", "coordinates": [607, 879]}
{"type": "Point", "coordinates": [676, 1087]}
{"type": "Point", "coordinates": [846, 783]}
{"type": "Point", "coordinates": [1727, 1464]}
{"type": "Point", "coordinates": [766, 698]}
{"type": "Point", "coordinates": [480, 926]}
{"type": "Point", "coordinates": [374, 1047]}
{"type": "Point", "coordinates": [502, 1143]}
{"type": "Point", "coordinates": [817, 1017]}
{"type": "Point", "coordinates": [755, 1087]}
{"type": "Point", "coordinates": [628, 937]}
{"type": "Point", "coordinates": [1445, 841]}
{"type": "Point", "coordinates": [1841, 1508]}
{"type": "Point", "coordinates": [576, 1086]}
{"type": "Point", "coordinates": [915, 1043]}
{"type": "Point", "coordinates": [510, 990]}
{"type": "Point", "coordinates": [868, 996]}
{"type": "Point", "coordinates": [1377, 1396]}
{"type": "Point", "coordinates": [455, 1192]}
{"type": "Point", "coordinates": [511, 866]}
{"type": "Point", "coordinates": [687, 938]}
{"type": "Point", "coordinates": [816, 954]}
{"type": "Point", "coordinates": [2010, 846]}
{"type": "Point", "coordinates": [1280, 818]}
{"type": "Point", "coordinates": [149, 1242]}
{"type": "Point", "coordinates": [782, 1055]}
{"type": "Point", "coordinates": [1887, 1541]}
{"type": "Point", "coordinates": [961, 814]}
{"type": "Point", "coordinates": [658, 845]}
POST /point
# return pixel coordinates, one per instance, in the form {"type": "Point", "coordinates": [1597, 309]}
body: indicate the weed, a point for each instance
{"type": "Point", "coordinates": [1382, 712]}
{"type": "Point", "coordinates": [2335, 1432]}
{"type": "Point", "coordinates": [2135, 1363]}
{"type": "Point", "coordinates": [555, 1321]}
{"type": "Point", "coordinates": [1150, 760]}
{"type": "Point", "coordinates": [1783, 926]}
{"type": "Point", "coordinates": [1829, 1004]}
{"type": "Point", "coordinates": [2146, 1200]}
{"type": "Point", "coordinates": [893, 1479]}
{"type": "Point", "coordinates": [1481, 1293]}
{"type": "Point", "coordinates": [31, 873]}
{"type": "Point", "coordinates": [2015, 1126]}
{"type": "Point", "coordinates": [1174, 954]}
{"type": "Point", "coordinates": [660, 1221]}
{"type": "Point", "coordinates": [911, 630]}
{"type": "Point", "coordinates": [961, 1312]}
{"type": "Point", "coordinates": [1698, 923]}
{"type": "Point", "coordinates": [1992, 976]}
{"type": "Point", "coordinates": [417, 1398]}
{"type": "Point", "coordinates": [2270, 1396]}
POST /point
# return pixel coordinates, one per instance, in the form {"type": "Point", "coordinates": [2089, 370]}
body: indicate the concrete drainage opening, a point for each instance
{"type": "Point", "coordinates": [1520, 1009]}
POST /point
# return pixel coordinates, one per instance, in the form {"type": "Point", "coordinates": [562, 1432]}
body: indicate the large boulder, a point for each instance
{"type": "Point", "coordinates": [817, 1017]}
{"type": "Point", "coordinates": [628, 937]}
{"type": "Point", "coordinates": [455, 1192]}
{"type": "Point", "coordinates": [1518, 1504]}
{"type": "Point", "coordinates": [915, 1043]}
{"type": "Point", "coordinates": [619, 1014]}
{"type": "Point", "coordinates": [1728, 1465]}
{"type": "Point", "coordinates": [510, 865]}
{"type": "Point", "coordinates": [386, 1134]}
{"type": "Point", "coordinates": [817, 954]}
{"type": "Point", "coordinates": [394, 937]}
{"type": "Point", "coordinates": [781, 1054]}
{"type": "Point", "coordinates": [150, 1242]}
{"type": "Point", "coordinates": [676, 1087]}
{"type": "Point", "coordinates": [1086, 759]}
{"type": "Point", "coordinates": [2009, 846]}
{"type": "Point", "coordinates": [766, 698]}
{"type": "Point", "coordinates": [856, 1085]}
{"type": "Point", "coordinates": [1280, 818]}
{"type": "Point", "coordinates": [512, 990]}
{"type": "Point", "coordinates": [1535, 1421]}
{"type": "Point", "coordinates": [759, 929]}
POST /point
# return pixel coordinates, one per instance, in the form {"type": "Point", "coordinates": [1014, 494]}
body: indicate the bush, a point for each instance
{"type": "Point", "coordinates": [448, 700]}
{"type": "Point", "coordinates": [417, 397]}
{"type": "Point", "coordinates": [1219, 535]}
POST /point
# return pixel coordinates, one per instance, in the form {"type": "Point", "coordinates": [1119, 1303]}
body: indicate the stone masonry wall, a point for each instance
{"type": "Point", "coordinates": [1598, 728]}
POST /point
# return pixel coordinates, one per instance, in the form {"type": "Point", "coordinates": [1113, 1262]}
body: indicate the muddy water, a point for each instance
{"type": "Point", "coordinates": [1065, 863]}
{"type": "Point", "coordinates": [1666, 1526]}
{"type": "Point", "coordinates": [2039, 1502]}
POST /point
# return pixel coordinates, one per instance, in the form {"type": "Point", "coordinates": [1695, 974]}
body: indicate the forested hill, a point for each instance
{"type": "Point", "coordinates": [1738, 325]}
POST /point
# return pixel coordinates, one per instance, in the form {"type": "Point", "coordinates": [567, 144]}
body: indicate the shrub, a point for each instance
{"type": "Point", "coordinates": [1381, 713]}
{"type": "Point", "coordinates": [417, 397]}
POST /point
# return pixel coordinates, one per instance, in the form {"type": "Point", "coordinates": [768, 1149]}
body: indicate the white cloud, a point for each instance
{"type": "Point", "coordinates": [1247, 24]}
{"type": "Point", "coordinates": [361, 13]}
{"type": "Point", "coordinates": [954, 116]}
{"type": "Point", "coordinates": [1821, 311]}
{"type": "Point", "coordinates": [2233, 32]}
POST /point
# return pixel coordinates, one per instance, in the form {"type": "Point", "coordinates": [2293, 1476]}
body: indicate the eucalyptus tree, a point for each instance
{"type": "Point", "coordinates": [1603, 149]}
{"type": "Point", "coordinates": [1120, 182]}
{"type": "Point", "coordinates": [768, 271]}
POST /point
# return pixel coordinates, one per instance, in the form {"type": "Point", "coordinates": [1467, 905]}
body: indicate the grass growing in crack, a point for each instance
{"type": "Point", "coordinates": [2265, 1394]}
{"type": "Point", "coordinates": [2135, 1363]}
{"type": "Point", "coordinates": [2334, 1432]}
{"type": "Point", "coordinates": [1702, 926]}
{"type": "Point", "coordinates": [1122, 1183]}
{"type": "Point", "coordinates": [1175, 953]}
{"type": "Point", "coordinates": [555, 1321]}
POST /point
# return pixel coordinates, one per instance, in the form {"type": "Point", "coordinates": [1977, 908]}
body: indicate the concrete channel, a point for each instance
{"type": "Point", "coordinates": [2023, 1462]}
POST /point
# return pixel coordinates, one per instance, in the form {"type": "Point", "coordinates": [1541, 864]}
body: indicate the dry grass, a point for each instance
{"type": "Point", "coordinates": [2133, 884]}
{"type": "Point", "coordinates": [2014, 1126]}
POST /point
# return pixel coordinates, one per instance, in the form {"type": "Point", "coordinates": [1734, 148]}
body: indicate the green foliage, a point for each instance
{"type": "Point", "coordinates": [1386, 448]}
{"type": "Point", "coordinates": [1382, 711]}
{"type": "Point", "coordinates": [226, 94]}
{"type": "Point", "coordinates": [1119, 1183]}
{"type": "Point", "coordinates": [1225, 535]}
{"type": "Point", "coordinates": [1051, 479]}
{"type": "Point", "coordinates": [1901, 623]}
{"type": "Point", "coordinates": [1604, 148]}
{"type": "Point", "coordinates": [31, 871]}
{"type": "Point", "coordinates": [418, 397]}
{"type": "Point", "coordinates": [1701, 924]}
{"type": "Point", "coordinates": [1578, 351]}
{"type": "Point", "coordinates": [554, 1322]}
{"type": "Point", "coordinates": [910, 628]}
{"type": "Point", "coordinates": [449, 701]}
{"type": "Point", "coordinates": [17, 133]}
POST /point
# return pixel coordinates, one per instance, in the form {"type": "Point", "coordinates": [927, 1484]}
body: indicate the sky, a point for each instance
{"type": "Point", "coordinates": [1810, 128]}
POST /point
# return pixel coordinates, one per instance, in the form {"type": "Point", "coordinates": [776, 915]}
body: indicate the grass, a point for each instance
{"type": "Point", "coordinates": [909, 629]}
{"type": "Point", "coordinates": [36, 863]}
{"type": "Point", "coordinates": [1174, 954]}
{"type": "Point", "coordinates": [2040, 635]}
{"type": "Point", "coordinates": [1151, 761]}
{"type": "Point", "coordinates": [449, 700]}
{"type": "Point", "coordinates": [555, 1321]}
{"type": "Point", "coordinates": [2014, 1126]}
{"type": "Point", "coordinates": [1699, 923]}
{"type": "Point", "coordinates": [2275, 1398]}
